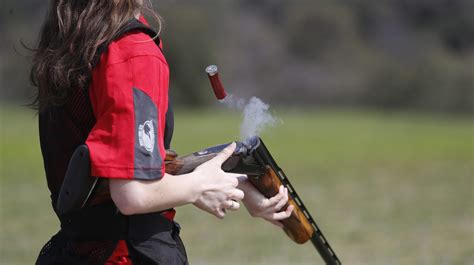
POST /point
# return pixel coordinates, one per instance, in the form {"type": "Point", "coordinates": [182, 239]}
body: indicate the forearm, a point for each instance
{"type": "Point", "coordinates": [138, 196]}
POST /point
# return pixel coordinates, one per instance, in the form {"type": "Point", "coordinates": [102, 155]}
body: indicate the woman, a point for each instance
{"type": "Point", "coordinates": [103, 81]}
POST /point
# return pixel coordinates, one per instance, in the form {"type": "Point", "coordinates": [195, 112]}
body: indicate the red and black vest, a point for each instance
{"type": "Point", "coordinates": [91, 235]}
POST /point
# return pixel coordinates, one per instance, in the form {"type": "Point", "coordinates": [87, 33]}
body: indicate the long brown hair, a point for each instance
{"type": "Point", "coordinates": [69, 39]}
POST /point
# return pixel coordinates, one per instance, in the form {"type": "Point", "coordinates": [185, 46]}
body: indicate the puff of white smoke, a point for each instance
{"type": "Point", "coordinates": [234, 102]}
{"type": "Point", "coordinates": [256, 115]}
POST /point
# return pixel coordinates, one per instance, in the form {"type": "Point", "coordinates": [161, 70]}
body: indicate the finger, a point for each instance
{"type": "Point", "coordinates": [234, 181]}
{"type": "Point", "coordinates": [220, 213]}
{"type": "Point", "coordinates": [236, 195]}
{"type": "Point", "coordinates": [234, 206]}
{"type": "Point", "coordinates": [282, 202]}
{"type": "Point", "coordinates": [275, 199]}
{"type": "Point", "coordinates": [226, 204]}
{"type": "Point", "coordinates": [226, 153]}
{"type": "Point", "coordinates": [283, 215]}
{"type": "Point", "coordinates": [239, 177]}
{"type": "Point", "coordinates": [231, 179]}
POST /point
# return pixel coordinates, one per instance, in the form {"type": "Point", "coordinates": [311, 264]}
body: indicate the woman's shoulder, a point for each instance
{"type": "Point", "coordinates": [132, 44]}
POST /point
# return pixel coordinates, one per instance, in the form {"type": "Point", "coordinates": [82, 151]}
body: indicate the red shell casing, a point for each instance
{"type": "Point", "coordinates": [217, 86]}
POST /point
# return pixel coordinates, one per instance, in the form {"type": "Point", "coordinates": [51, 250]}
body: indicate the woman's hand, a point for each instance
{"type": "Point", "coordinates": [270, 209]}
{"type": "Point", "coordinates": [208, 187]}
{"type": "Point", "coordinates": [217, 189]}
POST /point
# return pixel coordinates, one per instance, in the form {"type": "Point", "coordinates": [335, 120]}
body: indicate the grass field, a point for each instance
{"type": "Point", "coordinates": [384, 188]}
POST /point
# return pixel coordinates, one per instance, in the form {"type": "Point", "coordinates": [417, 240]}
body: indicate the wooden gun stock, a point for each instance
{"type": "Point", "coordinates": [255, 161]}
{"type": "Point", "coordinates": [181, 165]}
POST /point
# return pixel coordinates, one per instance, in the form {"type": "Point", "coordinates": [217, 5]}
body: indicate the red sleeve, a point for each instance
{"type": "Point", "coordinates": [129, 96]}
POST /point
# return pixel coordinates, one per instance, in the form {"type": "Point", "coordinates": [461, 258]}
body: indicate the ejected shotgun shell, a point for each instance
{"type": "Point", "coordinates": [213, 74]}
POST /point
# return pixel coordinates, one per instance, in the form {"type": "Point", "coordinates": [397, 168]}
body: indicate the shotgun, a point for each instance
{"type": "Point", "coordinates": [251, 158]}
{"type": "Point", "coordinates": [254, 160]}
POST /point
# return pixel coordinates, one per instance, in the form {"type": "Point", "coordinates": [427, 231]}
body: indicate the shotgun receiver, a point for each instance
{"type": "Point", "coordinates": [252, 159]}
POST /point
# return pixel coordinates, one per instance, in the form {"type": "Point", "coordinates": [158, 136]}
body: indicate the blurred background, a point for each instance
{"type": "Point", "coordinates": [375, 99]}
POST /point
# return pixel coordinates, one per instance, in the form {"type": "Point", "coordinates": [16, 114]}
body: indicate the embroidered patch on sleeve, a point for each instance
{"type": "Point", "coordinates": [148, 160]}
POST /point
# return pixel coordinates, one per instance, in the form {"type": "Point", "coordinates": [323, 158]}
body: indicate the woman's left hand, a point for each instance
{"type": "Point", "coordinates": [270, 209]}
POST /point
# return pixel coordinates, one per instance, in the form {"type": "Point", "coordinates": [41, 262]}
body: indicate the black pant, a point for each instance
{"type": "Point", "coordinates": [162, 248]}
{"type": "Point", "coordinates": [165, 248]}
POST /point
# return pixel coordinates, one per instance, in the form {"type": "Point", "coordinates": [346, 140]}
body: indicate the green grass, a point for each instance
{"type": "Point", "coordinates": [384, 188]}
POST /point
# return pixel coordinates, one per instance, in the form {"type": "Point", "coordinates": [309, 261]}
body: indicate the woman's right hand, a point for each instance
{"type": "Point", "coordinates": [217, 189]}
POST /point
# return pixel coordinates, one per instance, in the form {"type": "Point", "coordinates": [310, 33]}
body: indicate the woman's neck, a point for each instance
{"type": "Point", "coordinates": [138, 15]}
